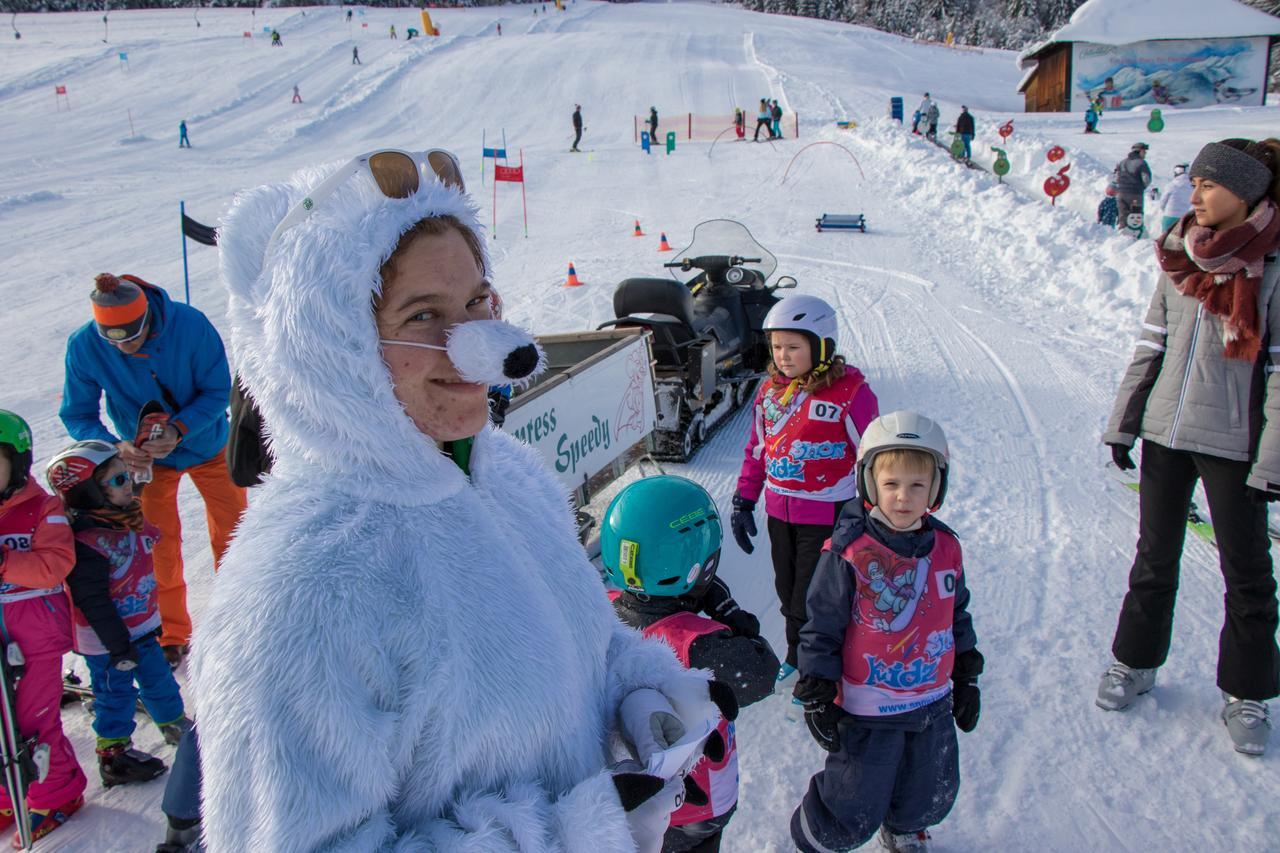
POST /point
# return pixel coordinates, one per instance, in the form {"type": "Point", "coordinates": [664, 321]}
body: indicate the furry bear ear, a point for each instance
{"type": "Point", "coordinates": [243, 236]}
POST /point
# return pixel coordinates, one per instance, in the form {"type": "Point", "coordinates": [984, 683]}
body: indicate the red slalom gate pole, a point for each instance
{"type": "Point", "coordinates": [523, 204]}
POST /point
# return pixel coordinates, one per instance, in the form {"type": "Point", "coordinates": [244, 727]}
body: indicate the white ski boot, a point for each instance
{"type": "Point", "coordinates": [1249, 724]}
{"type": "Point", "coordinates": [904, 842]}
{"type": "Point", "coordinates": [1121, 684]}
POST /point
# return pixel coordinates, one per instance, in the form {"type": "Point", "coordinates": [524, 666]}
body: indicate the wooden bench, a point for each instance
{"type": "Point", "coordinates": [843, 222]}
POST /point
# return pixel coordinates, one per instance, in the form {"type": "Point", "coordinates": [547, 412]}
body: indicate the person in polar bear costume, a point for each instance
{"type": "Point", "coordinates": [406, 648]}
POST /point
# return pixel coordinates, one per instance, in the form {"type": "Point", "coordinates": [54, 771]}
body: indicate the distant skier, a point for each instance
{"type": "Point", "coordinates": [577, 126]}
{"type": "Point", "coordinates": [1131, 177]}
{"type": "Point", "coordinates": [499, 29]}
{"type": "Point", "coordinates": [775, 113]}
{"type": "Point", "coordinates": [1091, 119]}
{"type": "Point", "coordinates": [297, 96]}
{"type": "Point", "coordinates": [653, 122]}
{"type": "Point", "coordinates": [922, 113]}
{"type": "Point", "coordinates": [931, 121]}
{"type": "Point", "coordinates": [764, 118]}
{"type": "Point", "coordinates": [393, 32]}
{"type": "Point", "coordinates": [965, 130]}
{"type": "Point", "coordinates": [355, 55]}
{"type": "Point", "coordinates": [1177, 198]}
{"type": "Point", "coordinates": [183, 140]}
{"type": "Point", "coordinates": [740, 122]}
{"type": "Point", "coordinates": [276, 41]}
{"type": "Point", "coordinates": [37, 554]}
{"type": "Point", "coordinates": [348, 16]}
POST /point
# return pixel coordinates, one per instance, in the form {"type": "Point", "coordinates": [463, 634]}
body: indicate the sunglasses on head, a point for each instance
{"type": "Point", "coordinates": [397, 173]}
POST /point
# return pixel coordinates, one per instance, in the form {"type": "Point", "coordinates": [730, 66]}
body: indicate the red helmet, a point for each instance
{"type": "Point", "coordinates": [70, 473]}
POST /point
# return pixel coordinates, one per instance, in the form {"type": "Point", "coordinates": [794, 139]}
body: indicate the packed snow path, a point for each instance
{"type": "Point", "coordinates": [976, 303]}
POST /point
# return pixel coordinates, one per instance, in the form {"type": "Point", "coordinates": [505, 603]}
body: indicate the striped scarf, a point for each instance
{"type": "Point", "coordinates": [1223, 269]}
{"type": "Point", "coordinates": [121, 518]}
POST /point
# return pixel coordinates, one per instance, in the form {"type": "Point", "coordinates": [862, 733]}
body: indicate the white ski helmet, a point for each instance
{"type": "Point", "coordinates": [811, 317]}
{"type": "Point", "coordinates": [70, 473]}
{"type": "Point", "coordinates": [903, 431]}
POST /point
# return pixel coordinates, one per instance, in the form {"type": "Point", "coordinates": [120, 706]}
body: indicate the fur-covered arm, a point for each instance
{"type": "Point", "coordinates": [634, 662]}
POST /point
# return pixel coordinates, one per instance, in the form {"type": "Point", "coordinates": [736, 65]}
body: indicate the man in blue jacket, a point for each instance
{"type": "Point", "coordinates": [141, 347]}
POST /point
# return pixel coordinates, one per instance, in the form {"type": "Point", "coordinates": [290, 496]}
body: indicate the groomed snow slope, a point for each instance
{"type": "Point", "coordinates": [978, 303]}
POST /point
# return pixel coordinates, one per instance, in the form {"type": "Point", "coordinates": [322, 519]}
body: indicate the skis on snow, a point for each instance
{"type": "Point", "coordinates": [1198, 522]}
{"type": "Point", "coordinates": [24, 760]}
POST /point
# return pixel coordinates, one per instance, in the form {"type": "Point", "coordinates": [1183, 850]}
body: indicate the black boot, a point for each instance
{"type": "Point", "coordinates": [120, 764]}
{"type": "Point", "coordinates": [182, 836]}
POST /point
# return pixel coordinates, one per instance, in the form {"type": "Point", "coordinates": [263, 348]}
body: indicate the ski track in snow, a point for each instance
{"type": "Point", "coordinates": [975, 302]}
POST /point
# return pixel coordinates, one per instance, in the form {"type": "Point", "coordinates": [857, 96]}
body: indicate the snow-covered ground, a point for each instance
{"type": "Point", "coordinates": [978, 303]}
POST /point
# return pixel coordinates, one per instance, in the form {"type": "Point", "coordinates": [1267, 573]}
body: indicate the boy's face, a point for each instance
{"type": "Point", "coordinates": [902, 491]}
{"type": "Point", "coordinates": [6, 471]}
{"type": "Point", "coordinates": [791, 353]}
{"type": "Point", "coordinates": [113, 478]}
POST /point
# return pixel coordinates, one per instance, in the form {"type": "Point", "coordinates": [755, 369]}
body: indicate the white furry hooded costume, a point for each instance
{"type": "Point", "coordinates": [396, 657]}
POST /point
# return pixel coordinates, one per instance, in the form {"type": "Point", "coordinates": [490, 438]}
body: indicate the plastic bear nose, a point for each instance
{"type": "Point", "coordinates": [520, 362]}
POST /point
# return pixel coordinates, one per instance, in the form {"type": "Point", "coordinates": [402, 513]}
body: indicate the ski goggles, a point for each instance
{"type": "Point", "coordinates": [118, 481]}
{"type": "Point", "coordinates": [396, 173]}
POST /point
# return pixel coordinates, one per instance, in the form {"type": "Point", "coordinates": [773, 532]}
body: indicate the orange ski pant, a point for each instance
{"type": "Point", "coordinates": [224, 502]}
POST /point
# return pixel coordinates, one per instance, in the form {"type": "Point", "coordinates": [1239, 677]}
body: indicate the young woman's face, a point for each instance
{"type": "Point", "coordinates": [791, 353]}
{"type": "Point", "coordinates": [113, 479]}
{"type": "Point", "coordinates": [1216, 206]}
{"type": "Point", "coordinates": [436, 285]}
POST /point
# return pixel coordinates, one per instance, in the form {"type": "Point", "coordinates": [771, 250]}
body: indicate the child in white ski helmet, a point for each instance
{"type": "Point", "coordinates": [807, 421]}
{"type": "Point", "coordinates": [36, 554]}
{"type": "Point", "coordinates": [116, 618]}
{"type": "Point", "coordinates": [888, 656]}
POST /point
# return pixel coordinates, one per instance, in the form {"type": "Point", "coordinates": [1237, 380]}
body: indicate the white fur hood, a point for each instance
{"type": "Point", "coordinates": [303, 336]}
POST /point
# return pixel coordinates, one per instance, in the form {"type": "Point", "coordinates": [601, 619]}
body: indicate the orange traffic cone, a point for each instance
{"type": "Point", "coordinates": [572, 280]}
{"type": "Point", "coordinates": [638, 232]}
{"type": "Point", "coordinates": [664, 246]}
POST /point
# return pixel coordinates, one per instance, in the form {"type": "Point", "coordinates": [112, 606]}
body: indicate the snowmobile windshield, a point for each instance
{"type": "Point", "coordinates": [727, 237]}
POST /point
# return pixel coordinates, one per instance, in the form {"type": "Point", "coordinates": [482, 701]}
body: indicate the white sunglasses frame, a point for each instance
{"type": "Point", "coordinates": [304, 208]}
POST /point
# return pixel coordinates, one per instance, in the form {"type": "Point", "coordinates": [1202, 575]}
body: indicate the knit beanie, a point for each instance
{"type": "Point", "coordinates": [119, 308]}
{"type": "Point", "coordinates": [1243, 174]}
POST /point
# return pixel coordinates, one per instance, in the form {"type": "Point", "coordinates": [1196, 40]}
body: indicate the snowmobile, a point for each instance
{"type": "Point", "coordinates": [708, 347]}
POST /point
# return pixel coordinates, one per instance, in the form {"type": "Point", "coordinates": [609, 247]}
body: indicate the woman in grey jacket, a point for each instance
{"type": "Point", "coordinates": [1203, 392]}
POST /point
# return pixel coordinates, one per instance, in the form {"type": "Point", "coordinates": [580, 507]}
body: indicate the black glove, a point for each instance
{"type": "Point", "coordinates": [1120, 456]}
{"type": "Point", "coordinates": [744, 523]}
{"type": "Point", "coordinates": [966, 700]}
{"type": "Point", "coordinates": [1264, 496]}
{"type": "Point", "coordinates": [124, 661]}
{"type": "Point", "coordinates": [821, 713]}
{"type": "Point", "coordinates": [724, 698]}
{"type": "Point", "coordinates": [718, 603]}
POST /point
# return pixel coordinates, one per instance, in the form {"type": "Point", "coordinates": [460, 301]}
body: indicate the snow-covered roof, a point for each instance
{"type": "Point", "coordinates": [1129, 21]}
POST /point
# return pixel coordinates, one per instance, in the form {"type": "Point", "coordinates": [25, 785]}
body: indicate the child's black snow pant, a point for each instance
{"type": "Point", "coordinates": [796, 549]}
{"type": "Point", "coordinates": [765, 123]}
{"type": "Point", "coordinates": [902, 771]}
{"type": "Point", "coordinates": [1248, 660]}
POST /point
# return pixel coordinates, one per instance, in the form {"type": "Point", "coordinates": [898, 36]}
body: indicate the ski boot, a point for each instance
{"type": "Point", "coordinates": [1249, 724]}
{"type": "Point", "coordinates": [175, 655]}
{"type": "Point", "coordinates": [904, 842]}
{"type": "Point", "coordinates": [45, 821]}
{"type": "Point", "coordinates": [174, 731]}
{"type": "Point", "coordinates": [1121, 684]}
{"type": "Point", "coordinates": [120, 764]}
{"type": "Point", "coordinates": [182, 836]}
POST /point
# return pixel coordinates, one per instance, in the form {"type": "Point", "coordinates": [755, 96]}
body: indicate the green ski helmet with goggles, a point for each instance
{"type": "Point", "coordinates": [661, 536]}
{"type": "Point", "coordinates": [15, 444]}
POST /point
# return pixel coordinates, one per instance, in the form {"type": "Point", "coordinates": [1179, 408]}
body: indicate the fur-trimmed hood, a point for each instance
{"type": "Point", "coordinates": [303, 336]}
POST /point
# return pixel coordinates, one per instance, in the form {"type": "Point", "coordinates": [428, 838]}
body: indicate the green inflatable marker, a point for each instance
{"type": "Point", "coordinates": [1156, 123]}
{"type": "Point", "coordinates": [1001, 165]}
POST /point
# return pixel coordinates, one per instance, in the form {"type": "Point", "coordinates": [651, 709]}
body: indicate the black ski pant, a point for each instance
{"type": "Point", "coordinates": [1248, 660]}
{"type": "Point", "coordinates": [795, 549]}
{"type": "Point", "coordinates": [762, 122]}
{"type": "Point", "coordinates": [577, 137]}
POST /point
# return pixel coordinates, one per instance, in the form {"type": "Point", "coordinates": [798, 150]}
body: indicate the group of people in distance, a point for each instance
{"type": "Point", "coordinates": [408, 626]}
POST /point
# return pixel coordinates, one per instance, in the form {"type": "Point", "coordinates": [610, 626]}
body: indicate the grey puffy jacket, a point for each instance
{"type": "Point", "coordinates": [1131, 176]}
{"type": "Point", "coordinates": [1182, 392]}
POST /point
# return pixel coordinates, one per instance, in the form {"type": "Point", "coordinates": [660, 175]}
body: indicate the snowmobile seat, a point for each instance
{"type": "Point", "coordinates": [668, 307]}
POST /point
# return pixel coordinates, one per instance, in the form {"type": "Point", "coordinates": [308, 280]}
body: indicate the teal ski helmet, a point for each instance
{"type": "Point", "coordinates": [661, 537]}
{"type": "Point", "coordinates": [15, 444]}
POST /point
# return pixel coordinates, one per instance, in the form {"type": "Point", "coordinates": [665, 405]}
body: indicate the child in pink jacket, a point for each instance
{"type": "Point", "coordinates": [37, 552]}
{"type": "Point", "coordinates": [808, 418]}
